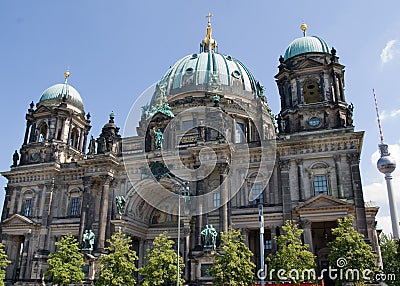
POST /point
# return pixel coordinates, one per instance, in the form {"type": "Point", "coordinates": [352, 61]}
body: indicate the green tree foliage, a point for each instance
{"type": "Point", "coordinates": [350, 253]}
{"type": "Point", "coordinates": [65, 264]}
{"type": "Point", "coordinates": [232, 264]}
{"type": "Point", "coordinates": [3, 264]}
{"type": "Point", "coordinates": [390, 249]}
{"type": "Point", "coordinates": [292, 257]}
{"type": "Point", "coordinates": [161, 263]}
{"type": "Point", "coordinates": [118, 265]}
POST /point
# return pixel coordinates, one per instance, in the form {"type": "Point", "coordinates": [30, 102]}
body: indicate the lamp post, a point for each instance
{"type": "Point", "coordinates": [261, 226]}
{"type": "Point", "coordinates": [182, 186]}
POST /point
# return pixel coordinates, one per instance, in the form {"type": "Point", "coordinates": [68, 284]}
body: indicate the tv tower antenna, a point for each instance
{"type": "Point", "coordinates": [386, 165]}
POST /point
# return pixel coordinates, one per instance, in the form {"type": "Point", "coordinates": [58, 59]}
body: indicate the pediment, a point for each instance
{"type": "Point", "coordinates": [322, 202]}
{"type": "Point", "coordinates": [309, 63]}
{"type": "Point", "coordinates": [18, 220]}
{"type": "Point", "coordinates": [43, 108]}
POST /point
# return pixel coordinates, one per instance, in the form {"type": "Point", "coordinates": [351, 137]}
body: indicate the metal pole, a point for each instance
{"type": "Point", "coordinates": [179, 235]}
{"type": "Point", "coordinates": [392, 206]}
{"type": "Point", "coordinates": [261, 225]}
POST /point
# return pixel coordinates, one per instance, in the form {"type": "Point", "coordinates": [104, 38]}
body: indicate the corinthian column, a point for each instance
{"type": "Point", "coordinates": [103, 211]}
{"type": "Point", "coordinates": [223, 175]}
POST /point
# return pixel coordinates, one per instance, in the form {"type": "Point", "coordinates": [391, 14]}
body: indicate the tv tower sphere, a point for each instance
{"type": "Point", "coordinates": [386, 164]}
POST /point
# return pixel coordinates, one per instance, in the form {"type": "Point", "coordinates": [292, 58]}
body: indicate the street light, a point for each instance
{"type": "Point", "coordinates": [185, 187]}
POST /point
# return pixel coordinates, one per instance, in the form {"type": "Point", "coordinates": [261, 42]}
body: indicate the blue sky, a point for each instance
{"type": "Point", "coordinates": [116, 49]}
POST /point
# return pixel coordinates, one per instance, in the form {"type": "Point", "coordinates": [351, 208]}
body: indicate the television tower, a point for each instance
{"type": "Point", "coordinates": [386, 165]}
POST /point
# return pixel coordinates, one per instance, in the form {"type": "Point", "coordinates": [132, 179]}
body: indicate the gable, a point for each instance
{"type": "Point", "coordinates": [17, 220]}
{"type": "Point", "coordinates": [309, 63]}
{"type": "Point", "coordinates": [322, 202]}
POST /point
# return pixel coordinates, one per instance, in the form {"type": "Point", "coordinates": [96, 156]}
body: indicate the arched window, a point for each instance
{"type": "Point", "coordinates": [320, 178]}
{"type": "Point", "coordinates": [27, 203]}
{"type": "Point", "coordinates": [74, 140]}
{"type": "Point", "coordinates": [42, 132]}
{"type": "Point", "coordinates": [75, 196]}
{"type": "Point", "coordinates": [311, 93]}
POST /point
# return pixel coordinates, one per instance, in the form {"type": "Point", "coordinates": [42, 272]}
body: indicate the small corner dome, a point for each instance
{"type": "Point", "coordinates": [55, 94]}
{"type": "Point", "coordinates": [304, 45]}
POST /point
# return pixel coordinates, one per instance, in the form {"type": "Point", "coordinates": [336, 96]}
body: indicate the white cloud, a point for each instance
{"type": "Point", "coordinates": [390, 51]}
{"type": "Point", "coordinates": [377, 191]}
{"type": "Point", "coordinates": [389, 114]}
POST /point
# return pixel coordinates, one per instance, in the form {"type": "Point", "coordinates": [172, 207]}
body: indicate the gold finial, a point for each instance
{"type": "Point", "coordinates": [209, 18]}
{"type": "Point", "coordinates": [304, 27]}
{"type": "Point", "coordinates": [67, 74]}
{"type": "Point", "coordinates": [209, 31]}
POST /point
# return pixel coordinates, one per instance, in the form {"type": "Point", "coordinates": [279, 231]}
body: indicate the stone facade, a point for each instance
{"type": "Point", "coordinates": [61, 186]}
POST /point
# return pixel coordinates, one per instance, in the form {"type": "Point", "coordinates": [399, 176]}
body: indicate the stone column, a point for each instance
{"type": "Point", "coordinates": [245, 233]}
{"type": "Point", "coordinates": [24, 258]}
{"type": "Point", "coordinates": [273, 234]}
{"type": "Point", "coordinates": [63, 122]}
{"type": "Point", "coordinates": [103, 212]}
{"type": "Point", "coordinates": [341, 89]}
{"type": "Point", "coordinates": [302, 196]}
{"type": "Point", "coordinates": [79, 146]}
{"type": "Point", "coordinates": [7, 200]}
{"type": "Point", "coordinates": [69, 132]}
{"type": "Point", "coordinates": [306, 225]}
{"type": "Point", "coordinates": [338, 170]}
{"type": "Point", "coordinates": [141, 253]}
{"type": "Point", "coordinates": [285, 190]}
{"type": "Point", "coordinates": [85, 205]}
{"type": "Point", "coordinates": [294, 181]}
{"type": "Point", "coordinates": [55, 132]}
{"type": "Point", "coordinates": [353, 160]}
{"type": "Point", "coordinates": [33, 131]}
{"type": "Point", "coordinates": [223, 175]}
{"type": "Point", "coordinates": [83, 147]}
{"type": "Point", "coordinates": [28, 124]}
{"type": "Point", "coordinates": [199, 224]}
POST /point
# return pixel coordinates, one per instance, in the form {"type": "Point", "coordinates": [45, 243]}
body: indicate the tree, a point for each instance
{"type": "Point", "coordinates": [390, 249]}
{"type": "Point", "coordinates": [232, 263]}
{"type": "Point", "coordinates": [117, 267]}
{"type": "Point", "coordinates": [3, 264]}
{"type": "Point", "coordinates": [65, 264]}
{"type": "Point", "coordinates": [161, 263]}
{"type": "Point", "coordinates": [292, 259]}
{"type": "Point", "coordinates": [350, 253]}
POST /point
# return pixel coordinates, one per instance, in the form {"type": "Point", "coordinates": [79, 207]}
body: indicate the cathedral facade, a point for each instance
{"type": "Point", "coordinates": [208, 151]}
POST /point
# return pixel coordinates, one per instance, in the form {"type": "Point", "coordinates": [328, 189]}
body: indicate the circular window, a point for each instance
{"type": "Point", "coordinates": [236, 74]}
{"type": "Point", "coordinates": [314, 122]}
{"type": "Point", "coordinates": [229, 58]}
{"type": "Point", "coordinates": [194, 56]}
{"type": "Point", "coordinates": [189, 71]}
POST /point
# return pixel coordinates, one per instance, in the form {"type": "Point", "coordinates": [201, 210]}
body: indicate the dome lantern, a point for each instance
{"type": "Point", "coordinates": [208, 44]}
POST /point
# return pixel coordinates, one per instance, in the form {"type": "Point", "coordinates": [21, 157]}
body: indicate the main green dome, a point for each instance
{"type": "Point", "coordinates": [209, 70]}
{"type": "Point", "coordinates": [306, 44]}
{"type": "Point", "coordinates": [58, 93]}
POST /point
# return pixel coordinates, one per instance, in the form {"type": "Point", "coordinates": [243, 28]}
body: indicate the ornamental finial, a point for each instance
{"type": "Point", "coordinates": [304, 27]}
{"type": "Point", "coordinates": [208, 44]}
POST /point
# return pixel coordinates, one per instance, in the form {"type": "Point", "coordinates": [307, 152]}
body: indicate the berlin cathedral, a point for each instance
{"type": "Point", "coordinates": [207, 152]}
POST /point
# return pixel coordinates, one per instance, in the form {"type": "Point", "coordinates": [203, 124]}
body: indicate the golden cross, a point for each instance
{"type": "Point", "coordinates": [209, 17]}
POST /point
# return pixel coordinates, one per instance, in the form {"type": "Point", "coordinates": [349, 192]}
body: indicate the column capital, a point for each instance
{"type": "Point", "coordinates": [107, 179]}
{"type": "Point", "coordinates": [306, 224]}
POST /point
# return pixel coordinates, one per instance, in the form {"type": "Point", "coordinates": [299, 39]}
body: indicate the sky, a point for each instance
{"type": "Point", "coordinates": [115, 50]}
